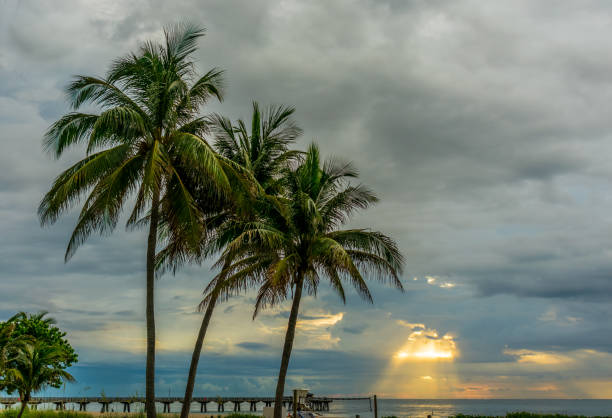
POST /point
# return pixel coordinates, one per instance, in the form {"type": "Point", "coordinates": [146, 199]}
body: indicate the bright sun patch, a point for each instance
{"type": "Point", "coordinates": [425, 344]}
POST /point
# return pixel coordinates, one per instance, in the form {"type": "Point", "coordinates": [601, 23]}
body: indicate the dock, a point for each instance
{"type": "Point", "coordinates": [103, 403]}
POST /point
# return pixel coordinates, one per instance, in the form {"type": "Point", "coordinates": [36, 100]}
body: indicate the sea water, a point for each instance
{"type": "Point", "coordinates": [490, 407]}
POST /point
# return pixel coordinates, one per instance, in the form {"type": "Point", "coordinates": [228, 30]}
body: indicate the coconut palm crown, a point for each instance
{"type": "Point", "coordinates": [263, 151]}
{"type": "Point", "coordinates": [296, 241]}
{"type": "Point", "coordinates": [146, 138]}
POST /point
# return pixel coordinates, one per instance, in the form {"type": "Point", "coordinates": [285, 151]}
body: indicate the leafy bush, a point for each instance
{"type": "Point", "coordinates": [38, 327]}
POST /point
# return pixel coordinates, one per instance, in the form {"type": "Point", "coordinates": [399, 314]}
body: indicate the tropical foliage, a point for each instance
{"type": "Point", "coordinates": [294, 241]}
{"type": "Point", "coordinates": [25, 329]}
{"type": "Point", "coordinates": [36, 355]}
{"type": "Point", "coordinates": [34, 367]}
{"type": "Point", "coordinates": [264, 151]}
{"type": "Point", "coordinates": [272, 215]}
{"type": "Point", "coordinates": [146, 142]}
{"type": "Point", "coordinates": [7, 344]}
{"type": "Point", "coordinates": [261, 154]}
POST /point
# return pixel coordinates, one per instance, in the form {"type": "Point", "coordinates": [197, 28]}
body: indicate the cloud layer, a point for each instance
{"type": "Point", "coordinates": [484, 128]}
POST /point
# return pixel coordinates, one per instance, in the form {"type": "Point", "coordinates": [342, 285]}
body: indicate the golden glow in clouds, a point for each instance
{"type": "Point", "coordinates": [422, 366]}
{"type": "Point", "coordinates": [426, 344]}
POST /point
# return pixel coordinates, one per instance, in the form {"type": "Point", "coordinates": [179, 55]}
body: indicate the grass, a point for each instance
{"type": "Point", "coordinates": [526, 415]}
{"type": "Point", "coordinates": [32, 413]}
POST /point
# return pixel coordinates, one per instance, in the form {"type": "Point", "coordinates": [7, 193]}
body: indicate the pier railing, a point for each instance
{"type": "Point", "coordinates": [316, 403]}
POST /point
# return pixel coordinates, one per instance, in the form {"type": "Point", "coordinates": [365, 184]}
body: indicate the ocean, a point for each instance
{"type": "Point", "coordinates": [491, 407]}
{"type": "Point", "coordinates": [416, 407]}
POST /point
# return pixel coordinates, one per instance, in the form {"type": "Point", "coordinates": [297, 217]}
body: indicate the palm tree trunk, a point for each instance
{"type": "Point", "coordinates": [150, 311]}
{"type": "Point", "coordinates": [195, 357]}
{"type": "Point", "coordinates": [289, 336]}
{"type": "Point", "coordinates": [24, 403]}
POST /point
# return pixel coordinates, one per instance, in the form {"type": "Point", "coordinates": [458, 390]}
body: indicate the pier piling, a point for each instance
{"type": "Point", "coordinates": [104, 407]}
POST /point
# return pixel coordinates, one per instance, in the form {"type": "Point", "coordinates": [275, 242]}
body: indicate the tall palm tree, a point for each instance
{"type": "Point", "coordinates": [296, 241]}
{"type": "Point", "coordinates": [34, 367]}
{"type": "Point", "coordinates": [262, 153]}
{"type": "Point", "coordinates": [147, 137]}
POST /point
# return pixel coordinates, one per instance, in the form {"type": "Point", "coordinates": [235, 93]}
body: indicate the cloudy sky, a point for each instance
{"type": "Point", "coordinates": [485, 128]}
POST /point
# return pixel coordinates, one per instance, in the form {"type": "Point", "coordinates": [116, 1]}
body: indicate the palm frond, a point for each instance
{"type": "Point", "coordinates": [70, 129]}
{"type": "Point", "coordinates": [101, 210]}
{"type": "Point", "coordinates": [373, 242]}
{"type": "Point", "coordinates": [69, 186]}
{"type": "Point", "coordinates": [337, 208]}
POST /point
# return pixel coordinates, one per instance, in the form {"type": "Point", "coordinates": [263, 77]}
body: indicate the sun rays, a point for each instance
{"type": "Point", "coordinates": [423, 366]}
{"type": "Point", "coordinates": [425, 344]}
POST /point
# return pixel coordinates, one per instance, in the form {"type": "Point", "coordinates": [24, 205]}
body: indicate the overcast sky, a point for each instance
{"type": "Point", "coordinates": [484, 127]}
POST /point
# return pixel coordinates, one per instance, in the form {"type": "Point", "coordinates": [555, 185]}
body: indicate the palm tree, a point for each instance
{"type": "Point", "coordinates": [296, 241]}
{"type": "Point", "coordinates": [147, 137]}
{"type": "Point", "coordinates": [34, 367]}
{"type": "Point", "coordinates": [262, 153]}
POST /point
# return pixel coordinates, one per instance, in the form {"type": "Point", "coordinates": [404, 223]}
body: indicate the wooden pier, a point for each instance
{"type": "Point", "coordinates": [103, 403]}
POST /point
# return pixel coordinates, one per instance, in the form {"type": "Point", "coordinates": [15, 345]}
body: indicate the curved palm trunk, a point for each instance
{"type": "Point", "coordinates": [24, 403]}
{"type": "Point", "coordinates": [150, 311]}
{"type": "Point", "coordinates": [289, 336]}
{"type": "Point", "coordinates": [195, 357]}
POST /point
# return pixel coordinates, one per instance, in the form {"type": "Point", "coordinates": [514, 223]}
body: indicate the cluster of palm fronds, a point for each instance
{"type": "Point", "coordinates": [207, 187]}
{"type": "Point", "coordinates": [31, 361]}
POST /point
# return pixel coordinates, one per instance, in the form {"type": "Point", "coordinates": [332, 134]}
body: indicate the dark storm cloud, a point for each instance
{"type": "Point", "coordinates": [484, 128]}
